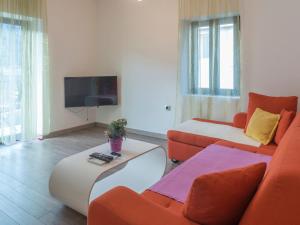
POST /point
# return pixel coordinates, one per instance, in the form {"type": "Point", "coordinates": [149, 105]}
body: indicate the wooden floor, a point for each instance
{"type": "Point", "coordinates": [25, 169]}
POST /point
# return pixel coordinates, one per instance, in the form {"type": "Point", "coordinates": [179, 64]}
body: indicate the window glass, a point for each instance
{"type": "Point", "coordinates": [203, 57]}
{"type": "Point", "coordinates": [226, 56]}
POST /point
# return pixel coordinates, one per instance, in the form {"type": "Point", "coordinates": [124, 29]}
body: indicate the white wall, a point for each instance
{"type": "Point", "coordinates": [138, 41]}
{"type": "Point", "coordinates": [271, 49]}
{"type": "Point", "coordinates": [72, 45]}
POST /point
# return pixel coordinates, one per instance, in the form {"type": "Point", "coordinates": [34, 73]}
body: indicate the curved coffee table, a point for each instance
{"type": "Point", "coordinates": [76, 182]}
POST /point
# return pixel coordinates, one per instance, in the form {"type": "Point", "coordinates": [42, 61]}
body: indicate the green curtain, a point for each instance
{"type": "Point", "coordinates": [24, 109]}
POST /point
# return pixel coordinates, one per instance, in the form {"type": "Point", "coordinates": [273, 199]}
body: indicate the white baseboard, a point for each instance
{"type": "Point", "coordinates": [139, 132]}
{"type": "Point", "coordinates": [103, 125]}
{"type": "Point", "coordinates": [69, 130]}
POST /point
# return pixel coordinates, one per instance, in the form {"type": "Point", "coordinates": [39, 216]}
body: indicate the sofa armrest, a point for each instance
{"type": "Point", "coordinates": [240, 120]}
{"type": "Point", "coordinates": [213, 121]}
{"type": "Point", "coordinates": [121, 206]}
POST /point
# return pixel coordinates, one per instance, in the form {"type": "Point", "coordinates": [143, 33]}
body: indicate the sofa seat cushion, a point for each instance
{"type": "Point", "coordinates": [214, 158]}
{"type": "Point", "coordinates": [181, 151]}
{"type": "Point", "coordinates": [264, 149]}
{"type": "Point", "coordinates": [196, 140]}
{"type": "Point", "coordinates": [165, 202]}
{"type": "Point", "coordinates": [202, 134]}
{"type": "Point", "coordinates": [214, 121]}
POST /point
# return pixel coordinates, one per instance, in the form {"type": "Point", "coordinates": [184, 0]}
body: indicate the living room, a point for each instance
{"type": "Point", "coordinates": [142, 46]}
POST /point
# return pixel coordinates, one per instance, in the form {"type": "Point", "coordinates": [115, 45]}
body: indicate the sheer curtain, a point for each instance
{"type": "Point", "coordinates": [24, 81]}
{"type": "Point", "coordinates": [192, 103]}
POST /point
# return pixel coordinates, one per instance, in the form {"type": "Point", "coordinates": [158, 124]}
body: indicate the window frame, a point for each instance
{"type": "Point", "coordinates": [214, 70]}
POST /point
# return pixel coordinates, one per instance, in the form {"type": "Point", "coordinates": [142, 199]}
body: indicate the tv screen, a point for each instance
{"type": "Point", "coordinates": [90, 91]}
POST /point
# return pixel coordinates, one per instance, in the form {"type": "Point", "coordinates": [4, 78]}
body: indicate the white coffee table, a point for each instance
{"type": "Point", "coordinates": [76, 182]}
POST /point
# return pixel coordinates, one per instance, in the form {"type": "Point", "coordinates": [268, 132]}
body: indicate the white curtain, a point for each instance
{"type": "Point", "coordinates": [24, 82]}
{"type": "Point", "coordinates": [205, 9]}
{"type": "Point", "coordinates": [190, 105]}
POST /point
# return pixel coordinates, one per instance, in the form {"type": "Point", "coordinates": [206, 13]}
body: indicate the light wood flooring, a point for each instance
{"type": "Point", "coordinates": [25, 169]}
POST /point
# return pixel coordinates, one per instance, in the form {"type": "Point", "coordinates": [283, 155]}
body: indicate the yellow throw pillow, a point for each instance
{"type": "Point", "coordinates": [262, 126]}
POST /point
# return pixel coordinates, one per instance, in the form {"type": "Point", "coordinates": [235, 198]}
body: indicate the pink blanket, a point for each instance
{"type": "Point", "coordinates": [214, 158]}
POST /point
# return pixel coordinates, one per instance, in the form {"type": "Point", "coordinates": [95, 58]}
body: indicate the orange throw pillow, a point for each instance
{"type": "Point", "coordinates": [286, 118]}
{"type": "Point", "coordinates": [270, 104]}
{"type": "Point", "coordinates": [222, 198]}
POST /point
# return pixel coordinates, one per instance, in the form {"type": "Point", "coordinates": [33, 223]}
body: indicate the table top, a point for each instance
{"type": "Point", "coordinates": [131, 149]}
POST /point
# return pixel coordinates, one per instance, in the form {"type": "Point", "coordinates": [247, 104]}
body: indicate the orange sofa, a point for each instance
{"type": "Point", "coordinates": [184, 145]}
{"type": "Point", "coordinates": [276, 202]}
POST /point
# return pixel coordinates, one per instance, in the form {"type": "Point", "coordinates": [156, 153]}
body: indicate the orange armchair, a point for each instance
{"type": "Point", "coordinates": [121, 206]}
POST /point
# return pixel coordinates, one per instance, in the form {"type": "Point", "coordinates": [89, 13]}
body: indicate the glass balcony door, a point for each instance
{"type": "Point", "coordinates": [10, 81]}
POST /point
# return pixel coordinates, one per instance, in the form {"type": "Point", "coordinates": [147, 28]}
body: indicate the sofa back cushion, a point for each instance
{"type": "Point", "coordinates": [221, 198]}
{"type": "Point", "coordinates": [277, 200]}
{"type": "Point", "coordinates": [286, 118]}
{"type": "Point", "coordinates": [270, 104]}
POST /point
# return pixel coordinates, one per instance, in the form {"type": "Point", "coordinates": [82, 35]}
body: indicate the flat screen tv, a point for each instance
{"type": "Point", "coordinates": [90, 91]}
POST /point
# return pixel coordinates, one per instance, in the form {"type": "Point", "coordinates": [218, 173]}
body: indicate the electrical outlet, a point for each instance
{"type": "Point", "coordinates": [168, 108]}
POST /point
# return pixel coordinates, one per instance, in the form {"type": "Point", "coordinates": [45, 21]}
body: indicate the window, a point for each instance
{"type": "Point", "coordinates": [215, 57]}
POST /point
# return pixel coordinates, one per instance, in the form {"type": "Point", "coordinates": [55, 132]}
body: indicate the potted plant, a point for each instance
{"type": "Point", "coordinates": [115, 133]}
